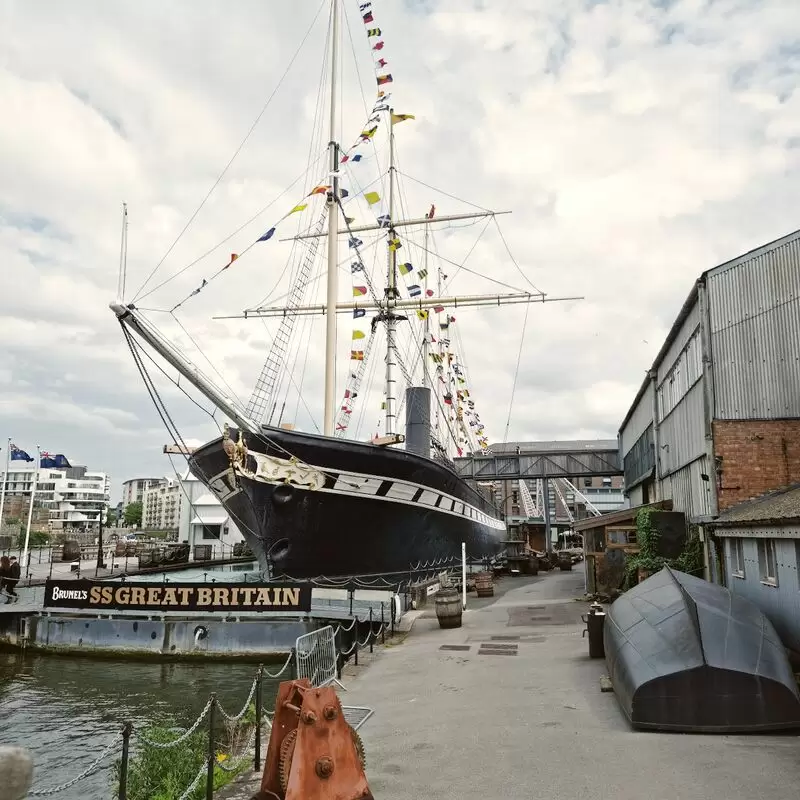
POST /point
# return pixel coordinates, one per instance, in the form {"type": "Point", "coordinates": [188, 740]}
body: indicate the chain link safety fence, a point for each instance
{"type": "Point", "coordinates": [230, 763]}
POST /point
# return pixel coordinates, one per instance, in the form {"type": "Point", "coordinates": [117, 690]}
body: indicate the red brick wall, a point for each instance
{"type": "Point", "coordinates": [758, 456]}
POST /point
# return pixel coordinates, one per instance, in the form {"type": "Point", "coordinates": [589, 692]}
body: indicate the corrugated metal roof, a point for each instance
{"type": "Point", "coordinates": [692, 299]}
{"type": "Point", "coordinates": [753, 254]}
{"type": "Point", "coordinates": [780, 506]}
{"type": "Point", "coordinates": [566, 446]}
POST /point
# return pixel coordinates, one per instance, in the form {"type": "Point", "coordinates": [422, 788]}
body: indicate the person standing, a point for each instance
{"type": "Point", "coordinates": [5, 566]}
{"type": "Point", "coordinates": [13, 579]}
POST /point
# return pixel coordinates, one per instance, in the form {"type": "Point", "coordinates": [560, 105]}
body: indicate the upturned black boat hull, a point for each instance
{"type": "Point", "coordinates": [687, 655]}
{"type": "Point", "coordinates": [311, 505]}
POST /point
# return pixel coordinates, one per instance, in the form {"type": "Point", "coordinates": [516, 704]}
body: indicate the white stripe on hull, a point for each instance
{"type": "Point", "coordinates": [305, 478]}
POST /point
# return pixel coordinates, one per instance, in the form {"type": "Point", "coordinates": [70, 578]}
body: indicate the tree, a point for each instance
{"type": "Point", "coordinates": [133, 513]}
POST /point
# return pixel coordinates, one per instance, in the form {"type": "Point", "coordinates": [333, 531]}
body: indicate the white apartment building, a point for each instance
{"type": "Point", "coordinates": [161, 506]}
{"type": "Point", "coordinates": [204, 520]}
{"type": "Point", "coordinates": [133, 490]}
{"type": "Point", "coordinates": [74, 497]}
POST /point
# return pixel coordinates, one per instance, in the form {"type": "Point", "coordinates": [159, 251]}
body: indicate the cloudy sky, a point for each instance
{"type": "Point", "coordinates": [636, 143]}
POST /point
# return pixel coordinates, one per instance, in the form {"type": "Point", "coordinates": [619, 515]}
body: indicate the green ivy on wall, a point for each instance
{"type": "Point", "coordinates": [690, 560]}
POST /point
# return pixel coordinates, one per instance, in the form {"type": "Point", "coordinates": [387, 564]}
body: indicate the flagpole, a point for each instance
{"type": "Point", "coordinates": [24, 559]}
{"type": "Point", "coordinates": [5, 482]}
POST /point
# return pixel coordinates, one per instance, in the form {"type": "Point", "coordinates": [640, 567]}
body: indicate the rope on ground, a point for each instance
{"type": "Point", "coordinates": [85, 774]}
{"type": "Point", "coordinates": [183, 737]}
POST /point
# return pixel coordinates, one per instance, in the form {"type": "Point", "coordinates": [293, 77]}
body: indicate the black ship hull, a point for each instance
{"type": "Point", "coordinates": [312, 506]}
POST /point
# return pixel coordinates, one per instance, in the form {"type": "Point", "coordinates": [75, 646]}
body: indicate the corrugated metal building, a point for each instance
{"type": "Point", "coordinates": [732, 355]}
{"type": "Point", "coordinates": [716, 421]}
{"type": "Point", "coordinates": [761, 551]}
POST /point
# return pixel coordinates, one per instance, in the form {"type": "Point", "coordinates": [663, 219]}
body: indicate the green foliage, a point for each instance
{"type": "Point", "coordinates": [133, 513]}
{"type": "Point", "coordinates": [156, 774]}
{"type": "Point", "coordinates": [37, 539]}
{"type": "Point", "coordinates": [164, 774]}
{"type": "Point", "coordinates": [690, 560]}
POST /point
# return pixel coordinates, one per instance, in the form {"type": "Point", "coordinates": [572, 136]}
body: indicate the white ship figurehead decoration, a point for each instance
{"type": "Point", "coordinates": [270, 469]}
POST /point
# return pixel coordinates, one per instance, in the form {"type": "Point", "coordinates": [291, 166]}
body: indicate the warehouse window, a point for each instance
{"type": "Point", "coordinates": [767, 562]}
{"type": "Point", "coordinates": [737, 557]}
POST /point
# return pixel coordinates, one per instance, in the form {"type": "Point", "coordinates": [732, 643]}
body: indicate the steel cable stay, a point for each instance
{"type": "Point", "coordinates": [516, 373]}
{"type": "Point", "coordinates": [175, 433]}
{"type": "Point", "coordinates": [236, 152]}
{"type": "Point", "coordinates": [268, 384]}
{"type": "Point", "coordinates": [166, 419]}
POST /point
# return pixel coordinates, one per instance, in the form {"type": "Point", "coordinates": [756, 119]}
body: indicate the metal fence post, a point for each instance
{"type": "Point", "coordinates": [123, 768]}
{"type": "Point", "coordinates": [371, 637]}
{"type": "Point", "coordinates": [211, 754]}
{"type": "Point", "coordinates": [356, 648]}
{"type": "Point", "coordinates": [257, 756]}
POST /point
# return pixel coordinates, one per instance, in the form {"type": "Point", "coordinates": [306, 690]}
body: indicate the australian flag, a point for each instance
{"type": "Point", "coordinates": [50, 461]}
{"type": "Point", "coordinates": [19, 455]}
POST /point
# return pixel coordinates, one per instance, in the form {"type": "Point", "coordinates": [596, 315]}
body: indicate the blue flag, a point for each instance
{"type": "Point", "coordinates": [19, 455]}
{"type": "Point", "coordinates": [58, 461]}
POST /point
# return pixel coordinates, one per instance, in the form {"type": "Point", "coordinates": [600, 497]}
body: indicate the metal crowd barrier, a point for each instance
{"type": "Point", "coordinates": [315, 657]}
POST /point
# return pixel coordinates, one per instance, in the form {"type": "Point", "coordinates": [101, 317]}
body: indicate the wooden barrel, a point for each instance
{"type": "Point", "coordinates": [484, 585]}
{"type": "Point", "coordinates": [565, 564]}
{"type": "Point", "coordinates": [71, 551]}
{"type": "Point", "coordinates": [448, 608]}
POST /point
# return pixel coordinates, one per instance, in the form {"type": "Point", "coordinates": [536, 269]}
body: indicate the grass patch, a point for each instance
{"type": "Point", "coordinates": [156, 773]}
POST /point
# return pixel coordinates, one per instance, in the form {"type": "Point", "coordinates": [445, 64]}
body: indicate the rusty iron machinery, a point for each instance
{"type": "Point", "coordinates": [313, 752]}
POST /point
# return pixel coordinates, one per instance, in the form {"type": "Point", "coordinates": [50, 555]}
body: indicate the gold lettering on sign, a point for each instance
{"type": "Point", "coordinates": [248, 596]}
{"type": "Point", "coordinates": [123, 595]}
{"type": "Point", "coordinates": [204, 596]}
{"type": "Point", "coordinates": [184, 593]}
{"type": "Point", "coordinates": [291, 597]}
{"type": "Point", "coordinates": [108, 595]}
{"type": "Point", "coordinates": [153, 595]}
{"type": "Point", "coordinates": [138, 595]}
{"type": "Point", "coordinates": [235, 596]}
{"type": "Point", "coordinates": [263, 598]}
{"type": "Point", "coordinates": [94, 594]}
{"type": "Point", "coordinates": [170, 596]}
{"type": "Point", "coordinates": [220, 596]}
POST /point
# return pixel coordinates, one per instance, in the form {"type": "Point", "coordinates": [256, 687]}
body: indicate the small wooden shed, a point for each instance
{"type": "Point", "coordinates": [606, 541]}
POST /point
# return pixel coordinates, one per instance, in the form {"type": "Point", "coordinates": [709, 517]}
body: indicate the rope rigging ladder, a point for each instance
{"type": "Point", "coordinates": [270, 377]}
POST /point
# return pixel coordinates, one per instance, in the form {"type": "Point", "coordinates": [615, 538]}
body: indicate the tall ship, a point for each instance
{"type": "Point", "coordinates": [330, 503]}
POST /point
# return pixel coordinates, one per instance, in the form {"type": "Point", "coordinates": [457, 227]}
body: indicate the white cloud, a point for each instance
{"type": "Point", "coordinates": [637, 144]}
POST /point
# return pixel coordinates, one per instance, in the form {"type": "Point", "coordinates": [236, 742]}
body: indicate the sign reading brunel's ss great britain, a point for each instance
{"type": "Point", "coordinates": [128, 596]}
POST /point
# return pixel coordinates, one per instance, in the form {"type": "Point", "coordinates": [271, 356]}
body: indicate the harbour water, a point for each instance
{"type": "Point", "coordinates": [66, 710]}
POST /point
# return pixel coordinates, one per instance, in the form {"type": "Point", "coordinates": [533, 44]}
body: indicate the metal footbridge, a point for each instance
{"type": "Point", "coordinates": [532, 460]}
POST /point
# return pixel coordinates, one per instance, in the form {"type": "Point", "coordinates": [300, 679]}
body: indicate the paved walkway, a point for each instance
{"type": "Point", "coordinates": [459, 724]}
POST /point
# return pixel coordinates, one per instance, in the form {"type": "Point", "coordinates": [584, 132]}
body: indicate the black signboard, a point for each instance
{"type": "Point", "coordinates": [132, 596]}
